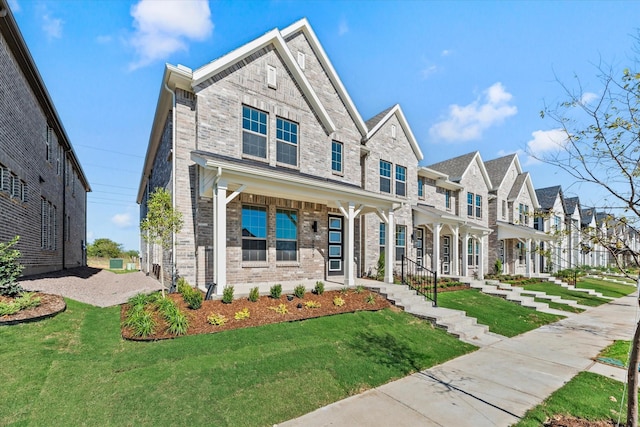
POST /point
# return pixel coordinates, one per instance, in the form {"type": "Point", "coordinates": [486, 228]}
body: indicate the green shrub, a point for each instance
{"type": "Point", "coordinates": [166, 306]}
{"type": "Point", "coordinates": [242, 314]}
{"type": "Point", "coordinates": [178, 322]}
{"type": "Point", "coordinates": [344, 290]}
{"type": "Point", "coordinates": [182, 284]}
{"type": "Point", "coordinates": [370, 299]}
{"type": "Point", "coordinates": [10, 269]}
{"type": "Point", "coordinates": [280, 309]}
{"type": "Point", "coordinates": [319, 288]}
{"type": "Point", "coordinates": [312, 304]}
{"type": "Point", "coordinates": [299, 291]}
{"type": "Point", "coordinates": [216, 319]}
{"type": "Point", "coordinates": [498, 266]}
{"type": "Point", "coordinates": [380, 266]}
{"type": "Point", "coordinates": [8, 308]}
{"type": "Point", "coordinates": [144, 325]}
{"type": "Point", "coordinates": [359, 289]}
{"type": "Point", "coordinates": [27, 300]}
{"type": "Point", "coordinates": [338, 301]}
{"type": "Point", "coordinates": [227, 294]}
{"type": "Point", "coordinates": [254, 294]}
{"type": "Point", "coordinates": [193, 299]}
{"type": "Point", "coordinates": [275, 291]}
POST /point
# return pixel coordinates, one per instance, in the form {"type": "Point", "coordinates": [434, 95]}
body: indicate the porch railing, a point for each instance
{"type": "Point", "coordinates": [420, 279]}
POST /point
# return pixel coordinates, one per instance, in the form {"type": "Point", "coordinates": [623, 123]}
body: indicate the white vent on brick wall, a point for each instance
{"type": "Point", "coordinates": [271, 76]}
{"type": "Point", "coordinates": [301, 59]}
{"type": "Point", "coordinates": [393, 131]}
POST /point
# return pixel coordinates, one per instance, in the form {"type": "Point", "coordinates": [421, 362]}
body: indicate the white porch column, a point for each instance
{"type": "Point", "coordinates": [389, 248]}
{"type": "Point", "coordinates": [435, 262]}
{"type": "Point", "coordinates": [453, 256]}
{"type": "Point", "coordinates": [465, 257]}
{"type": "Point", "coordinates": [220, 235]}
{"type": "Point", "coordinates": [527, 258]}
{"type": "Point", "coordinates": [483, 240]}
{"type": "Point", "coordinates": [536, 258]}
{"type": "Point", "coordinates": [349, 240]}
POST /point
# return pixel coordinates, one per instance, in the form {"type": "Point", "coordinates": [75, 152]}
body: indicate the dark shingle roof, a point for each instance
{"type": "Point", "coordinates": [497, 169]}
{"type": "Point", "coordinates": [571, 204]}
{"type": "Point", "coordinates": [586, 215]}
{"type": "Point", "coordinates": [373, 121]}
{"type": "Point", "coordinates": [547, 196]}
{"type": "Point", "coordinates": [455, 167]}
{"type": "Point", "coordinates": [517, 185]}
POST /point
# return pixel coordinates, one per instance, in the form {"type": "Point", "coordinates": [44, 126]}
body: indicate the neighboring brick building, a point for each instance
{"type": "Point", "coordinates": [42, 186]}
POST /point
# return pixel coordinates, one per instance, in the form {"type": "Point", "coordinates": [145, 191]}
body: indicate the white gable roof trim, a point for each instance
{"type": "Point", "coordinates": [272, 37]}
{"type": "Point", "coordinates": [304, 26]}
{"type": "Point", "coordinates": [397, 111]}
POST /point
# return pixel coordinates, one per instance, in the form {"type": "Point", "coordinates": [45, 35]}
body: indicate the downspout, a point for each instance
{"type": "Point", "coordinates": [64, 209]}
{"type": "Point", "coordinates": [173, 178]}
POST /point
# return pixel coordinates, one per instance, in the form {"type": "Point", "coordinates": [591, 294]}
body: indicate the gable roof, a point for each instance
{"type": "Point", "coordinates": [571, 204]}
{"type": "Point", "coordinates": [375, 123]}
{"type": "Point", "coordinates": [587, 216]}
{"type": "Point", "coordinates": [304, 26]}
{"type": "Point", "coordinates": [18, 47]}
{"type": "Point", "coordinates": [547, 196]}
{"type": "Point", "coordinates": [498, 168]}
{"type": "Point", "coordinates": [273, 37]}
{"type": "Point", "coordinates": [458, 166]}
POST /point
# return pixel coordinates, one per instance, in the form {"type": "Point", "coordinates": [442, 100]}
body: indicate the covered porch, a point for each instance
{"type": "Point", "coordinates": [518, 248]}
{"type": "Point", "coordinates": [326, 235]}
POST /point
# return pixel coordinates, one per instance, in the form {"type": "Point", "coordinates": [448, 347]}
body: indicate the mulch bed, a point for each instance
{"type": "Point", "coordinates": [50, 305]}
{"type": "Point", "coordinates": [261, 312]}
{"type": "Point", "coordinates": [569, 421]}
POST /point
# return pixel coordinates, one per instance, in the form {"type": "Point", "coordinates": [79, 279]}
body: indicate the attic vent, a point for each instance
{"type": "Point", "coordinates": [301, 59]}
{"type": "Point", "coordinates": [271, 76]}
{"type": "Point", "coordinates": [393, 131]}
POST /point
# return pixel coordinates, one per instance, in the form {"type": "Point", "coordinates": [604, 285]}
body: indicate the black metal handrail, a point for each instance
{"type": "Point", "coordinates": [420, 279]}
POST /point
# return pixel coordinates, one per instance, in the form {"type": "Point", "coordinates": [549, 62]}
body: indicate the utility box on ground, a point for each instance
{"type": "Point", "coordinates": [116, 264]}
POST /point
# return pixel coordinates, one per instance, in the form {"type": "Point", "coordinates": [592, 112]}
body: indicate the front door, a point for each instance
{"type": "Point", "coordinates": [446, 254]}
{"type": "Point", "coordinates": [419, 236]}
{"type": "Point", "coordinates": [336, 246]}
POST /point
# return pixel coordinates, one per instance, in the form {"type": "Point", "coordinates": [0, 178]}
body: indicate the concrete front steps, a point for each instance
{"type": "Point", "coordinates": [455, 322]}
{"type": "Point", "coordinates": [515, 294]}
{"type": "Point", "coordinates": [573, 288]}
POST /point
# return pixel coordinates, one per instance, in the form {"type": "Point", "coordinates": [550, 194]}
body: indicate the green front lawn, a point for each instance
{"type": "Point", "coordinates": [606, 288]}
{"type": "Point", "coordinates": [619, 350]}
{"type": "Point", "coordinates": [75, 369]}
{"type": "Point", "coordinates": [552, 289]}
{"type": "Point", "coordinates": [587, 395]}
{"type": "Point", "coordinates": [503, 317]}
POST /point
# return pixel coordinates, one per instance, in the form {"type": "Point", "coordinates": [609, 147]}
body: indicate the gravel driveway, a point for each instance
{"type": "Point", "coordinates": [93, 286]}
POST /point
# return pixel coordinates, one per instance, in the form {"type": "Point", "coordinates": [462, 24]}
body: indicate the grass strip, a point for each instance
{"type": "Point", "coordinates": [83, 373]}
{"type": "Point", "coordinates": [503, 317]}
{"type": "Point", "coordinates": [552, 289]}
{"type": "Point", "coordinates": [608, 289]}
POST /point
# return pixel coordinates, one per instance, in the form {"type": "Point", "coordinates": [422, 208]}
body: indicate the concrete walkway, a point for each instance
{"type": "Point", "coordinates": [493, 386]}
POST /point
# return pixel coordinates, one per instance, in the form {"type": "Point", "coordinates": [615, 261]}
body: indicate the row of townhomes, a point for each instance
{"type": "Point", "coordinates": [279, 178]}
{"type": "Point", "coordinates": [43, 189]}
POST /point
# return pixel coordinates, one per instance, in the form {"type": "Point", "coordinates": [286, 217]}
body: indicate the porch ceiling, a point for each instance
{"type": "Point", "coordinates": [261, 179]}
{"type": "Point", "coordinates": [425, 215]}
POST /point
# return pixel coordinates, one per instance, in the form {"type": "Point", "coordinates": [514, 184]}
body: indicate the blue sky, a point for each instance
{"type": "Point", "coordinates": [468, 75]}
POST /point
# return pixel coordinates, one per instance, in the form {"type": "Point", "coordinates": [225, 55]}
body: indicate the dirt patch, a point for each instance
{"type": "Point", "coordinates": [262, 312]}
{"type": "Point", "coordinates": [50, 305]}
{"type": "Point", "coordinates": [569, 421]}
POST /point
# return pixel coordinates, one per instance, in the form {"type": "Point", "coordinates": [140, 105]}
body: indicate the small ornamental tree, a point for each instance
{"type": "Point", "coordinates": [161, 223]}
{"type": "Point", "coordinates": [10, 268]}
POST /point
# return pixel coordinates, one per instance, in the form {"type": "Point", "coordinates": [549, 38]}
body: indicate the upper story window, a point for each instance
{"type": "Point", "coordinates": [504, 209]}
{"type": "Point", "coordinates": [385, 177]}
{"type": "Point", "coordinates": [523, 214]}
{"type": "Point", "coordinates": [538, 223]}
{"type": "Point", "coordinates": [254, 233]}
{"type": "Point", "coordinates": [336, 156]}
{"type": "Point", "coordinates": [474, 205]}
{"type": "Point", "coordinates": [447, 199]}
{"type": "Point", "coordinates": [287, 142]}
{"type": "Point", "coordinates": [401, 180]}
{"type": "Point", "coordinates": [254, 132]}
{"type": "Point", "coordinates": [556, 223]}
{"type": "Point", "coordinates": [286, 235]}
{"type": "Point", "coordinates": [421, 188]}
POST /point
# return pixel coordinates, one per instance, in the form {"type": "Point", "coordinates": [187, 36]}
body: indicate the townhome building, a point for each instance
{"type": "Point", "coordinates": [591, 248]}
{"type": "Point", "coordinates": [276, 174]}
{"type": "Point", "coordinates": [573, 228]}
{"type": "Point", "coordinates": [550, 219]}
{"type": "Point", "coordinates": [512, 205]}
{"type": "Point", "coordinates": [43, 189]}
{"type": "Point", "coordinates": [452, 215]}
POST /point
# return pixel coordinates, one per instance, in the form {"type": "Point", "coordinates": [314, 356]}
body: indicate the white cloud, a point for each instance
{"type": "Point", "coordinates": [163, 27]}
{"type": "Point", "coordinates": [122, 220]}
{"type": "Point", "coordinates": [446, 52]}
{"type": "Point", "coordinates": [587, 97]}
{"type": "Point", "coordinates": [468, 122]}
{"type": "Point", "coordinates": [428, 71]}
{"type": "Point", "coordinates": [343, 27]}
{"type": "Point", "coordinates": [52, 27]}
{"type": "Point", "coordinates": [104, 39]}
{"type": "Point", "coordinates": [543, 142]}
{"type": "Point", "coordinates": [14, 6]}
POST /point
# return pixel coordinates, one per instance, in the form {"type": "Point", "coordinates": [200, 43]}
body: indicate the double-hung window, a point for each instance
{"type": "Point", "coordinates": [383, 237]}
{"type": "Point", "coordinates": [401, 241]}
{"type": "Point", "coordinates": [286, 235]}
{"type": "Point", "coordinates": [385, 177]}
{"type": "Point", "coordinates": [478, 206]}
{"type": "Point", "coordinates": [254, 233]}
{"type": "Point", "coordinates": [447, 199]}
{"type": "Point", "coordinates": [254, 132]}
{"type": "Point", "coordinates": [401, 180]}
{"type": "Point", "coordinates": [336, 156]}
{"type": "Point", "coordinates": [469, 204]}
{"type": "Point", "coordinates": [521, 213]}
{"type": "Point", "coordinates": [287, 142]}
{"type": "Point", "coordinates": [420, 188]}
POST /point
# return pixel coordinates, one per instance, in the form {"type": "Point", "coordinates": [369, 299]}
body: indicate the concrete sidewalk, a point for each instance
{"type": "Point", "coordinates": [493, 386]}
